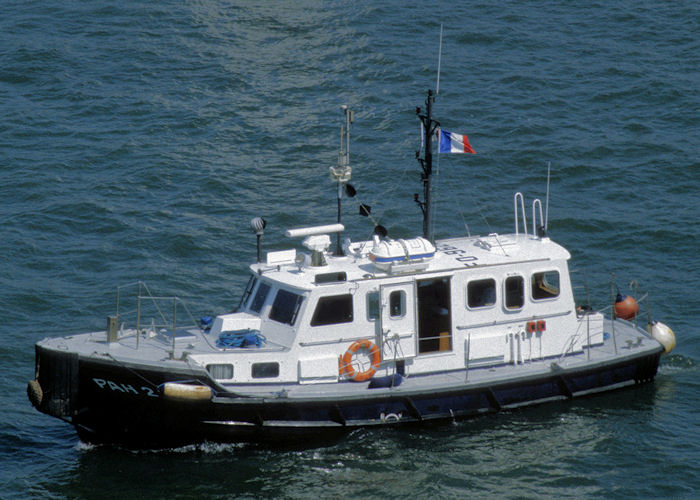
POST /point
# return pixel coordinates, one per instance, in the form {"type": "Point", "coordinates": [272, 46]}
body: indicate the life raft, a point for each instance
{"type": "Point", "coordinates": [346, 361]}
{"type": "Point", "coordinates": [401, 255]}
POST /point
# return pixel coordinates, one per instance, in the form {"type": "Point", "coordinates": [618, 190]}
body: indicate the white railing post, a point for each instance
{"type": "Point", "coordinates": [535, 203]}
{"type": "Point", "coordinates": [517, 196]}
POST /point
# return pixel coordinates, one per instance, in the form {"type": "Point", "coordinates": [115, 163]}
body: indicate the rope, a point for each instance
{"type": "Point", "coordinates": [131, 370]}
{"type": "Point", "coordinates": [233, 340]}
{"type": "Point", "coordinates": [434, 189]}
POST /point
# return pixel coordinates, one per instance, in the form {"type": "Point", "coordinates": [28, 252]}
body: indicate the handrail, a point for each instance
{"type": "Point", "coordinates": [571, 341]}
{"type": "Point", "coordinates": [535, 203]}
{"type": "Point", "coordinates": [145, 293]}
{"type": "Point", "coordinates": [522, 209]}
{"type": "Point", "coordinates": [512, 321]}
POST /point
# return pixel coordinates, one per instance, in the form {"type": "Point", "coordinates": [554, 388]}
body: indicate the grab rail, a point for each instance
{"type": "Point", "coordinates": [536, 202]}
{"type": "Point", "coordinates": [155, 301]}
{"type": "Point", "coordinates": [517, 196]}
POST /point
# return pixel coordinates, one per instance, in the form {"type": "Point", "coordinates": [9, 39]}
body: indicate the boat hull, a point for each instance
{"type": "Point", "coordinates": [111, 402]}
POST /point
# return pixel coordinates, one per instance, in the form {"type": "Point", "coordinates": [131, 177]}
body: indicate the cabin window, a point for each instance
{"type": "Point", "coordinates": [545, 285]}
{"type": "Point", "coordinates": [265, 370]}
{"type": "Point", "coordinates": [286, 306]}
{"type": "Point", "coordinates": [515, 296]}
{"type": "Point", "coordinates": [333, 310]}
{"type": "Point", "coordinates": [397, 303]}
{"type": "Point", "coordinates": [373, 305]}
{"type": "Point", "coordinates": [330, 277]}
{"type": "Point", "coordinates": [247, 292]}
{"type": "Point", "coordinates": [481, 293]}
{"type": "Point", "coordinates": [260, 296]}
{"type": "Point", "coordinates": [220, 371]}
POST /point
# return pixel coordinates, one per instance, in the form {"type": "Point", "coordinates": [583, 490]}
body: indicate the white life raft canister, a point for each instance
{"type": "Point", "coordinates": [399, 255]}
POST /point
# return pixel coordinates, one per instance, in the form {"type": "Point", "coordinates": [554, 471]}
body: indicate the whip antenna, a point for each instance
{"type": "Point", "coordinates": [437, 86]}
{"type": "Point", "coordinates": [546, 209]}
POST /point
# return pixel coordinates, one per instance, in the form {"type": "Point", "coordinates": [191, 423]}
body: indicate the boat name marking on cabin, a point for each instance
{"type": "Point", "coordinates": [459, 255]}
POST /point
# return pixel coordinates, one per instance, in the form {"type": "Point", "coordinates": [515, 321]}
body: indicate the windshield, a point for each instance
{"type": "Point", "coordinates": [286, 307]}
{"type": "Point", "coordinates": [247, 292]}
{"type": "Point", "coordinates": [260, 297]}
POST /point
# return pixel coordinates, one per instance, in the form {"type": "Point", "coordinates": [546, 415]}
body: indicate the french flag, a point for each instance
{"type": "Point", "coordinates": [454, 143]}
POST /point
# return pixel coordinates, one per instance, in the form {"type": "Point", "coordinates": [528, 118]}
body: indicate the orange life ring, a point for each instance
{"type": "Point", "coordinates": [346, 363]}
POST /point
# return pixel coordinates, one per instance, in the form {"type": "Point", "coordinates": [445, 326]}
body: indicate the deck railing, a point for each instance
{"type": "Point", "coordinates": [144, 304]}
{"type": "Point", "coordinates": [519, 203]}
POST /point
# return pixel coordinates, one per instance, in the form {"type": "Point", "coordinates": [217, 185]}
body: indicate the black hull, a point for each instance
{"type": "Point", "coordinates": [113, 403]}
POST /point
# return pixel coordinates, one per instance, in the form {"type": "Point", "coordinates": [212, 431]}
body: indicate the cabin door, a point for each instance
{"type": "Point", "coordinates": [434, 318]}
{"type": "Point", "coordinates": [398, 314]}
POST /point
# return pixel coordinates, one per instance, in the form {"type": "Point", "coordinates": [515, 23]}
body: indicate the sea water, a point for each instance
{"type": "Point", "coordinates": [138, 139]}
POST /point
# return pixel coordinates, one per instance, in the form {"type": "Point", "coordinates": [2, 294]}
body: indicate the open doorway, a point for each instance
{"type": "Point", "coordinates": [434, 315]}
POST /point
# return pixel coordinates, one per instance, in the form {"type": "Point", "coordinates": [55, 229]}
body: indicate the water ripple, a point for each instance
{"type": "Point", "coordinates": [138, 140]}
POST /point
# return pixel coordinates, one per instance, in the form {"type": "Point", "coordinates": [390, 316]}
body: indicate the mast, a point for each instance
{"type": "Point", "coordinates": [429, 128]}
{"type": "Point", "coordinates": [343, 172]}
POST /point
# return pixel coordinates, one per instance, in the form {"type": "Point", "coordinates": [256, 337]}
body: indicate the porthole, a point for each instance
{"type": "Point", "coordinates": [515, 296]}
{"type": "Point", "coordinates": [481, 293]}
{"type": "Point", "coordinates": [220, 371]}
{"type": "Point", "coordinates": [545, 285]}
{"type": "Point", "coordinates": [265, 370]}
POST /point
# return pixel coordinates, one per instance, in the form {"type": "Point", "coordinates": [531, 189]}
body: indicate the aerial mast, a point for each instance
{"type": "Point", "coordinates": [429, 127]}
{"type": "Point", "coordinates": [343, 172]}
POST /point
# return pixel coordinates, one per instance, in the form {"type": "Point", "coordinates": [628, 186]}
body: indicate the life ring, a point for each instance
{"type": "Point", "coordinates": [346, 364]}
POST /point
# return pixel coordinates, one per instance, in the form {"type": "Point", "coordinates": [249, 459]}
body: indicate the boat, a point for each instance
{"type": "Point", "coordinates": [335, 336]}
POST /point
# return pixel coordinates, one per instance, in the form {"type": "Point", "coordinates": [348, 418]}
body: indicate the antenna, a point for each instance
{"type": "Point", "coordinates": [343, 172]}
{"type": "Point", "coordinates": [546, 206]}
{"type": "Point", "coordinates": [258, 225]}
{"type": "Point", "coordinates": [437, 86]}
{"type": "Point", "coordinates": [430, 126]}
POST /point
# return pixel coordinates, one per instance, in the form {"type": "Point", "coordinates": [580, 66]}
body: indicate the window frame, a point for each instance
{"type": "Point", "coordinates": [370, 297]}
{"type": "Point", "coordinates": [295, 311]}
{"type": "Point", "coordinates": [506, 296]}
{"type": "Point", "coordinates": [314, 321]}
{"type": "Point", "coordinates": [544, 275]}
{"type": "Point", "coordinates": [264, 300]}
{"type": "Point", "coordinates": [402, 304]}
{"type": "Point", "coordinates": [334, 277]}
{"type": "Point", "coordinates": [213, 367]}
{"type": "Point", "coordinates": [264, 365]}
{"type": "Point", "coordinates": [248, 292]}
{"type": "Point", "coordinates": [486, 306]}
